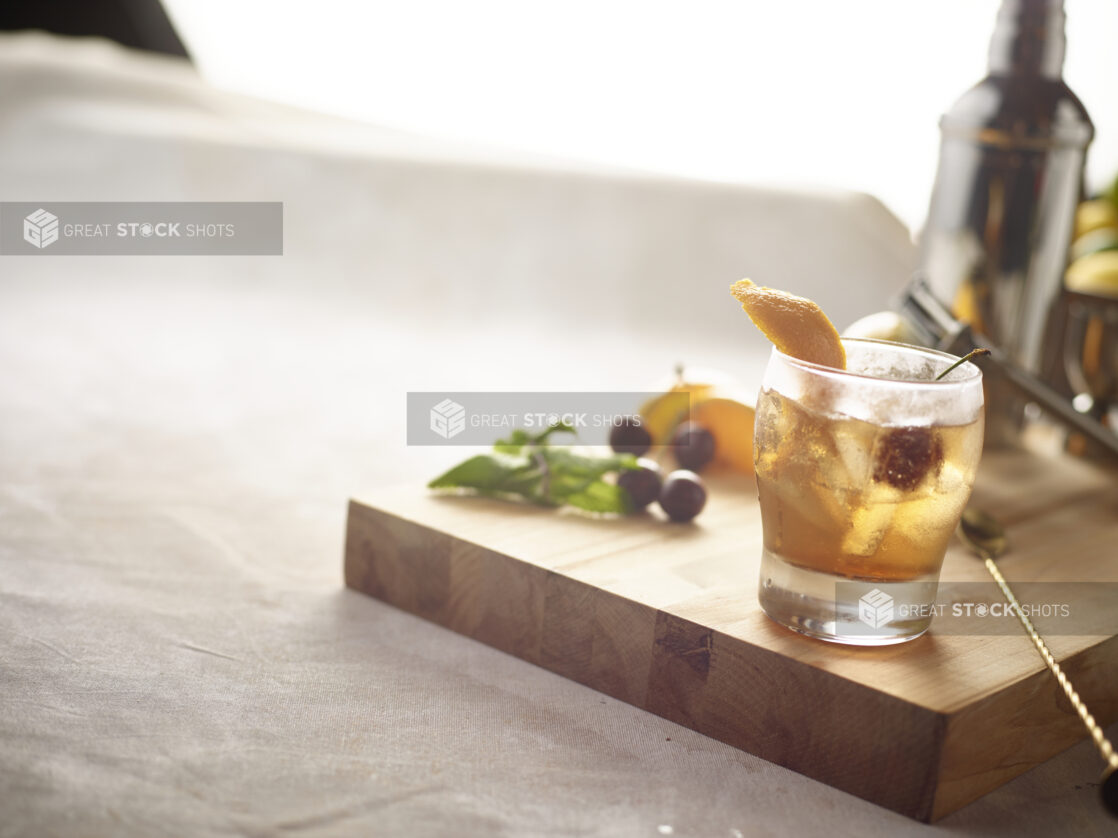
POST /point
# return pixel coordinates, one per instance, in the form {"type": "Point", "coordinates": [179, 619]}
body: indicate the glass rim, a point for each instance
{"type": "Point", "coordinates": [971, 371]}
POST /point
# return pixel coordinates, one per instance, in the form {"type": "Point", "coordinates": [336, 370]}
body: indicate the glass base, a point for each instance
{"type": "Point", "coordinates": [806, 601]}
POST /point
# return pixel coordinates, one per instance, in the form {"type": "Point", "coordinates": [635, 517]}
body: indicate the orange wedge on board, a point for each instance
{"type": "Point", "coordinates": [796, 325]}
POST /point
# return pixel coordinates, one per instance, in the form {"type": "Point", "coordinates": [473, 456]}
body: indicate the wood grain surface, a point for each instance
{"type": "Point", "coordinates": [665, 617]}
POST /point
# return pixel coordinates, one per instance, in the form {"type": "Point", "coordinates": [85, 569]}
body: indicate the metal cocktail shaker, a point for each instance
{"type": "Point", "coordinates": [1010, 174]}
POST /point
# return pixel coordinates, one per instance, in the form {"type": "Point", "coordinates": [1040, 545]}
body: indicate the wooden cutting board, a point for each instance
{"type": "Point", "coordinates": [665, 617]}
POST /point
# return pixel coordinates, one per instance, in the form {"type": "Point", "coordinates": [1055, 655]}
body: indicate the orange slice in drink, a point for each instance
{"type": "Point", "coordinates": [795, 325]}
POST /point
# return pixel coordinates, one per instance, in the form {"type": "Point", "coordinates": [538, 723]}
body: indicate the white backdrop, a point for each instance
{"type": "Point", "coordinates": [804, 93]}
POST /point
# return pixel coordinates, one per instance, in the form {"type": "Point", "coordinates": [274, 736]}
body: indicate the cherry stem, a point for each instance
{"type": "Point", "coordinates": [970, 356]}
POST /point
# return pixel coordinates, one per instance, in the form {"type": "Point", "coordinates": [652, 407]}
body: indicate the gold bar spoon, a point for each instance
{"type": "Point", "coordinates": [985, 536]}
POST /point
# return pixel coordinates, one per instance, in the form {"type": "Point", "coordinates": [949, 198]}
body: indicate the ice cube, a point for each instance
{"type": "Point", "coordinates": [812, 502]}
{"type": "Point", "coordinates": [853, 442]}
{"type": "Point", "coordinates": [951, 478]}
{"type": "Point", "coordinates": [870, 520]}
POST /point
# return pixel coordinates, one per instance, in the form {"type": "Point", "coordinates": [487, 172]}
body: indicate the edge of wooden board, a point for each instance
{"type": "Point", "coordinates": [922, 761]}
{"type": "Point", "coordinates": [873, 745]}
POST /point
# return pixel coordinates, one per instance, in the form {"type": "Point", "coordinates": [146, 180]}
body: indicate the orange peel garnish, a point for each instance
{"type": "Point", "coordinates": [797, 326]}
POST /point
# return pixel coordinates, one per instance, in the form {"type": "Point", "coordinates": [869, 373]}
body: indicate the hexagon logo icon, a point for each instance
{"type": "Point", "coordinates": [448, 419]}
{"type": "Point", "coordinates": [875, 609]}
{"type": "Point", "coordinates": [40, 228]}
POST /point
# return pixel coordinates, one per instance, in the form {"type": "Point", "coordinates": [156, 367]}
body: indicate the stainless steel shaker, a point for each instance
{"type": "Point", "coordinates": [1010, 174]}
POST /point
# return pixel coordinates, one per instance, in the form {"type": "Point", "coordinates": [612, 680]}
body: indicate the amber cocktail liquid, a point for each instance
{"type": "Point", "coordinates": [862, 476]}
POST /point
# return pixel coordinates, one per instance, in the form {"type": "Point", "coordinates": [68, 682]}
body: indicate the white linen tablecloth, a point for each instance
{"type": "Point", "coordinates": [178, 438]}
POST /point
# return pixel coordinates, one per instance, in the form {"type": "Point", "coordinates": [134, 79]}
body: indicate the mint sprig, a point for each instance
{"type": "Point", "coordinates": [526, 467]}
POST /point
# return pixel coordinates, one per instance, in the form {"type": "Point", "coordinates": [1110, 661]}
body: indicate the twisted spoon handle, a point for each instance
{"type": "Point", "coordinates": [1097, 734]}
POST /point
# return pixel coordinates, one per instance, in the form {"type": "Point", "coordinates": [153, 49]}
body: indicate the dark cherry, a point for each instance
{"type": "Point", "coordinates": [693, 446]}
{"type": "Point", "coordinates": [905, 455]}
{"type": "Point", "coordinates": [642, 484]}
{"type": "Point", "coordinates": [683, 495]}
{"type": "Point", "coordinates": [630, 436]}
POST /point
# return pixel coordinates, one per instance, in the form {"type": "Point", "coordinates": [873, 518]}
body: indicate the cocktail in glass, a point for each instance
{"type": "Point", "coordinates": [862, 476]}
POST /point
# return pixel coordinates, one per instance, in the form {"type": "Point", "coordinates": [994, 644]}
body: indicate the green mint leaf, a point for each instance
{"type": "Point", "coordinates": [562, 427]}
{"type": "Point", "coordinates": [487, 471]}
{"type": "Point", "coordinates": [498, 475]}
{"type": "Point", "coordinates": [562, 484]}
{"type": "Point", "coordinates": [562, 460]}
{"type": "Point", "coordinates": [525, 466]}
{"type": "Point", "coordinates": [514, 444]}
{"type": "Point", "coordinates": [520, 438]}
{"type": "Point", "coordinates": [601, 498]}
